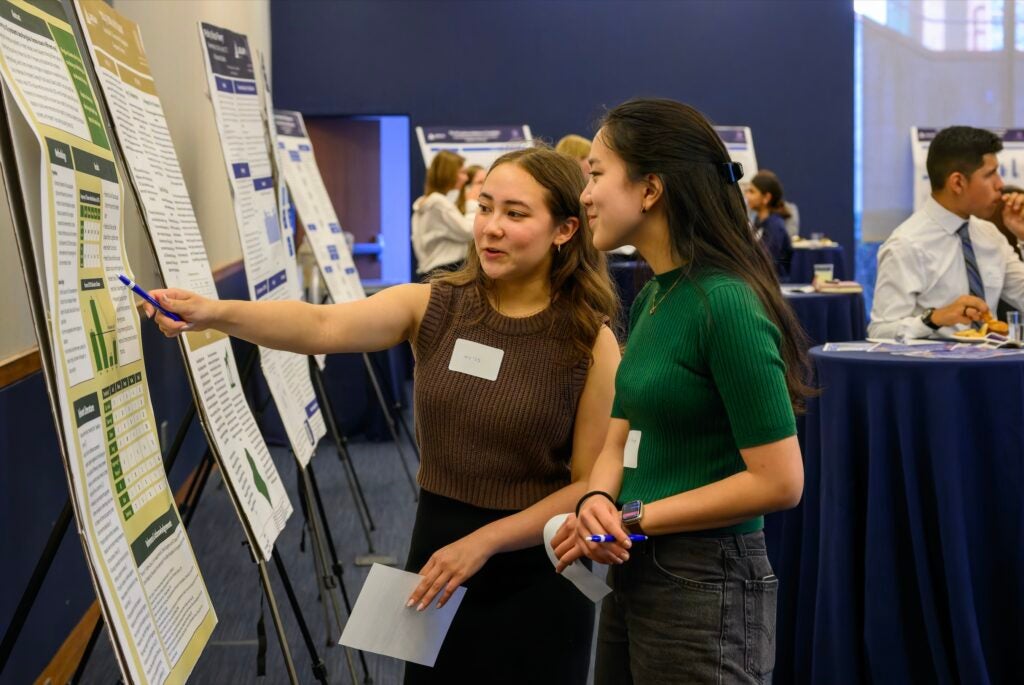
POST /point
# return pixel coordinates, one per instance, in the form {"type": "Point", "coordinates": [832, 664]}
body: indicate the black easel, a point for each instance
{"type": "Point", "coordinates": [327, 583]}
{"type": "Point", "coordinates": [341, 444]}
{"type": "Point", "coordinates": [396, 410]}
{"type": "Point", "coordinates": [391, 425]}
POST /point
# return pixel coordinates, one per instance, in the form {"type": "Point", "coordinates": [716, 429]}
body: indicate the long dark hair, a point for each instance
{"type": "Point", "coordinates": [767, 182]}
{"type": "Point", "coordinates": [580, 285]}
{"type": "Point", "coordinates": [707, 216]}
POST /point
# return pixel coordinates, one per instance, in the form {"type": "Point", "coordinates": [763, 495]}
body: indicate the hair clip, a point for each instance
{"type": "Point", "coordinates": [732, 172]}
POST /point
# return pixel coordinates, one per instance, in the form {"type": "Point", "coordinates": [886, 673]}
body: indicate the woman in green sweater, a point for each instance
{"type": "Point", "coordinates": [702, 440]}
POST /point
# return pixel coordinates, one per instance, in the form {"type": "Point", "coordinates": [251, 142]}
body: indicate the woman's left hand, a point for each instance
{"type": "Point", "coordinates": [448, 568]}
{"type": "Point", "coordinates": [564, 544]}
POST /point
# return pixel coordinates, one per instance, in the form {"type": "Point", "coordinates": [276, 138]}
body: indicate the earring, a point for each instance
{"type": "Point", "coordinates": [643, 209]}
{"type": "Point", "coordinates": [558, 248]}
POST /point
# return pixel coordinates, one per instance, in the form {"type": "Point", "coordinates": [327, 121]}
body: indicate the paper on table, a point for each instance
{"type": "Point", "coordinates": [586, 582]}
{"type": "Point", "coordinates": [797, 289]}
{"type": "Point", "coordinates": [382, 624]}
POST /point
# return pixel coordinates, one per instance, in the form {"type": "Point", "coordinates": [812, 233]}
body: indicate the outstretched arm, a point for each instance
{"type": "Point", "coordinates": [376, 323]}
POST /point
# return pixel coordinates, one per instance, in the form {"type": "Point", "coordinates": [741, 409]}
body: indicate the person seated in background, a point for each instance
{"type": "Point", "coordinates": [764, 198]}
{"type": "Point", "coordinates": [578, 148]}
{"type": "Point", "coordinates": [1016, 242]}
{"type": "Point", "coordinates": [944, 266]}
{"type": "Point", "coordinates": [440, 232]}
{"type": "Point", "coordinates": [470, 190]}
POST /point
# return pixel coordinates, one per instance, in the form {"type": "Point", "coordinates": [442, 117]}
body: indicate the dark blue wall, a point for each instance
{"type": "Point", "coordinates": [783, 67]}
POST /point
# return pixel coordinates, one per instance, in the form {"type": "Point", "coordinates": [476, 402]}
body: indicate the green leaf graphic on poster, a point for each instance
{"type": "Point", "coordinates": [231, 376]}
{"type": "Point", "coordinates": [257, 479]}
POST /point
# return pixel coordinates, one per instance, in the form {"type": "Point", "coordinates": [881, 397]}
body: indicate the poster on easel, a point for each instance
{"type": "Point", "coordinates": [140, 127]}
{"type": "Point", "coordinates": [151, 593]}
{"type": "Point", "coordinates": [479, 145]}
{"type": "Point", "coordinates": [270, 268]}
{"type": "Point", "coordinates": [315, 210]}
{"type": "Point", "coordinates": [739, 141]}
{"type": "Point", "coordinates": [1011, 158]}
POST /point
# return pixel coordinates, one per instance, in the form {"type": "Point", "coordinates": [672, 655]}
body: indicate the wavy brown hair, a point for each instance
{"type": "Point", "coordinates": [581, 289]}
{"type": "Point", "coordinates": [707, 217]}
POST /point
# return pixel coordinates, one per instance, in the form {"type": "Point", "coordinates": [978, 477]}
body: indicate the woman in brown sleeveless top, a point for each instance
{"type": "Point", "coordinates": [514, 381]}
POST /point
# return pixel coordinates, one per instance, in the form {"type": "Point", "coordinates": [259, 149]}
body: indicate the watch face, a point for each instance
{"type": "Point", "coordinates": [631, 510]}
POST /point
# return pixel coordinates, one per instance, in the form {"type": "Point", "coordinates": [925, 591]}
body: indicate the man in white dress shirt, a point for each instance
{"type": "Point", "coordinates": [944, 268]}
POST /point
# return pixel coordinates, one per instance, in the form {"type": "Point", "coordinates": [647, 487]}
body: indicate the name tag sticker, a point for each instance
{"type": "Point", "coordinates": [632, 450]}
{"type": "Point", "coordinates": [475, 359]}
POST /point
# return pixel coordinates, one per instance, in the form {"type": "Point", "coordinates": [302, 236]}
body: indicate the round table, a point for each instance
{"type": "Point", "coordinates": [829, 317]}
{"type": "Point", "coordinates": [801, 269]}
{"type": "Point", "coordinates": [904, 561]}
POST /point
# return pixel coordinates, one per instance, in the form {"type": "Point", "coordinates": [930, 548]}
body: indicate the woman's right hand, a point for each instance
{"type": "Point", "coordinates": [598, 516]}
{"type": "Point", "coordinates": [196, 311]}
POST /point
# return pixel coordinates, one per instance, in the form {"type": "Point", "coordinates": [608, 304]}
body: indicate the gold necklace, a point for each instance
{"type": "Point", "coordinates": [658, 301]}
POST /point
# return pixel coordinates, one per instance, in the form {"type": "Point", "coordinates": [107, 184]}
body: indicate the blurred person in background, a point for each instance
{"type": "Point", "coordinates": [764, 198]}
{"type": "Point", "coordinates": [441, 233]}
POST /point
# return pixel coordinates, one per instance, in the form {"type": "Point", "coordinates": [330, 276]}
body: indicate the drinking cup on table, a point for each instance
{"type": "Point", "coordinates": [817, 237]}
{"type": "Point", "coordinates": [823, 272]}
{"type": "Point", "coordinates": [1016, 329]}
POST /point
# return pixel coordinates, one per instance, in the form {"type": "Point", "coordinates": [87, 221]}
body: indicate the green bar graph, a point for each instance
{"type": "Point", "coordinates": [99, 345]}
{"type": "Point", "coordinates": [95, 348]}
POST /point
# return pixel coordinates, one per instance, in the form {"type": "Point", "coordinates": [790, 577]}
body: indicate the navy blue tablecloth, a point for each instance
{"type": "Point", "coordinates": [834, 317]}
{"type": "Point", "coordinates": [904, 561]}
{"type": "Point", "coordinates": [801, 269]}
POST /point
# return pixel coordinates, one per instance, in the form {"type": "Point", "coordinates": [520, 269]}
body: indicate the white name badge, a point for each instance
{"type": "Point", "coordinates": [632, 450]}
{"type": "Point", "coordinates": [476, 359]}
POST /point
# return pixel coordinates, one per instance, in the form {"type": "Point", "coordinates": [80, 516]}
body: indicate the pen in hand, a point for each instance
{"type": "Point", "coordinates": [611, 538]}
{"type": "Point", "coordinates": [147, 297]}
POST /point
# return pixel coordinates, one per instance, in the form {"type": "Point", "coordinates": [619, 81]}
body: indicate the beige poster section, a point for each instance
{"type": "Point", "coordinates": [141, 128]}
{"type": "Point", "coordinates": [155, 602]}
{"type": "Point", "coordinates": [313, 205]}
{"type": "Point", "coordinates": [270, 267]}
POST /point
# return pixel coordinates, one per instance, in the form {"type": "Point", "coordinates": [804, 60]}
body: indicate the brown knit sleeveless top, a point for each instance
{"type": "Point", "coordinates": [502, 444]}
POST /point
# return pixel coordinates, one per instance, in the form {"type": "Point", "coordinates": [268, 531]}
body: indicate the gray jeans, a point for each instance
{"type": "Point", "coordinates": [689, 610]}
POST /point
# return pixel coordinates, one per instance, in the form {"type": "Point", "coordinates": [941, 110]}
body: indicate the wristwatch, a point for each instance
{"type": "Point", "coordinates": [632, 514]}
{"type": "Point", "coordinates": [926, 319]}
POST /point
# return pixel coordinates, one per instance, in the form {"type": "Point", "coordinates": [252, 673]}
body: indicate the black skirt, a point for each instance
{"type": "Point", "coordinates": [520, 622]}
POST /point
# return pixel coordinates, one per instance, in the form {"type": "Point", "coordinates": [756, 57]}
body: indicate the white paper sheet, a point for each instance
{"type": "Point", "coordinates": [585, 581]}
{"type": "Point", "coordinates": [382, 624]}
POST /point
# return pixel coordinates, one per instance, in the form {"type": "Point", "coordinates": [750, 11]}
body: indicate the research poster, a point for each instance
{"type": "Point", "coordinates": [479, 145]}
{"type": "Point", "coordinates": [315, 210]}
{"type": "Point", "coordinates": [154, 601]}
{"type": "Point", "coordinates": [270, 266]}
{"type": "Point", "coordinates": [739, 141]}
{"type": "Point", "coordinates": [119, 56]}
{"type": "Point", "coordinates": [284, 213]}
{"type": "Point", "coordinates": [1011, 159]}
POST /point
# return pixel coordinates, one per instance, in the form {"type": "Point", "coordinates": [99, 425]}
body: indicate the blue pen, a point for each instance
{"type": "Point", "coordinates": [147, 297]}
{"type": "Point", "coordinates": [611, 538]}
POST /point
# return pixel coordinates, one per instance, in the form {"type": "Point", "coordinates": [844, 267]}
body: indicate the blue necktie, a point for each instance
{"type": "Point", "coordinates": [974, 282]}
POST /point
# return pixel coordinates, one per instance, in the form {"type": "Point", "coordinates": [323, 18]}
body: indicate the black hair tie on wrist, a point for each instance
{"type": "Point", "coordinates": [591, 494]}
{"type": "Point", "coordinates": [732, 172]}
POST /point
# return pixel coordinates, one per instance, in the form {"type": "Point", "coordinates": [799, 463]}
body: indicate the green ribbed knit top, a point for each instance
{"type": "Point", "coordinates": [701, 378]}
